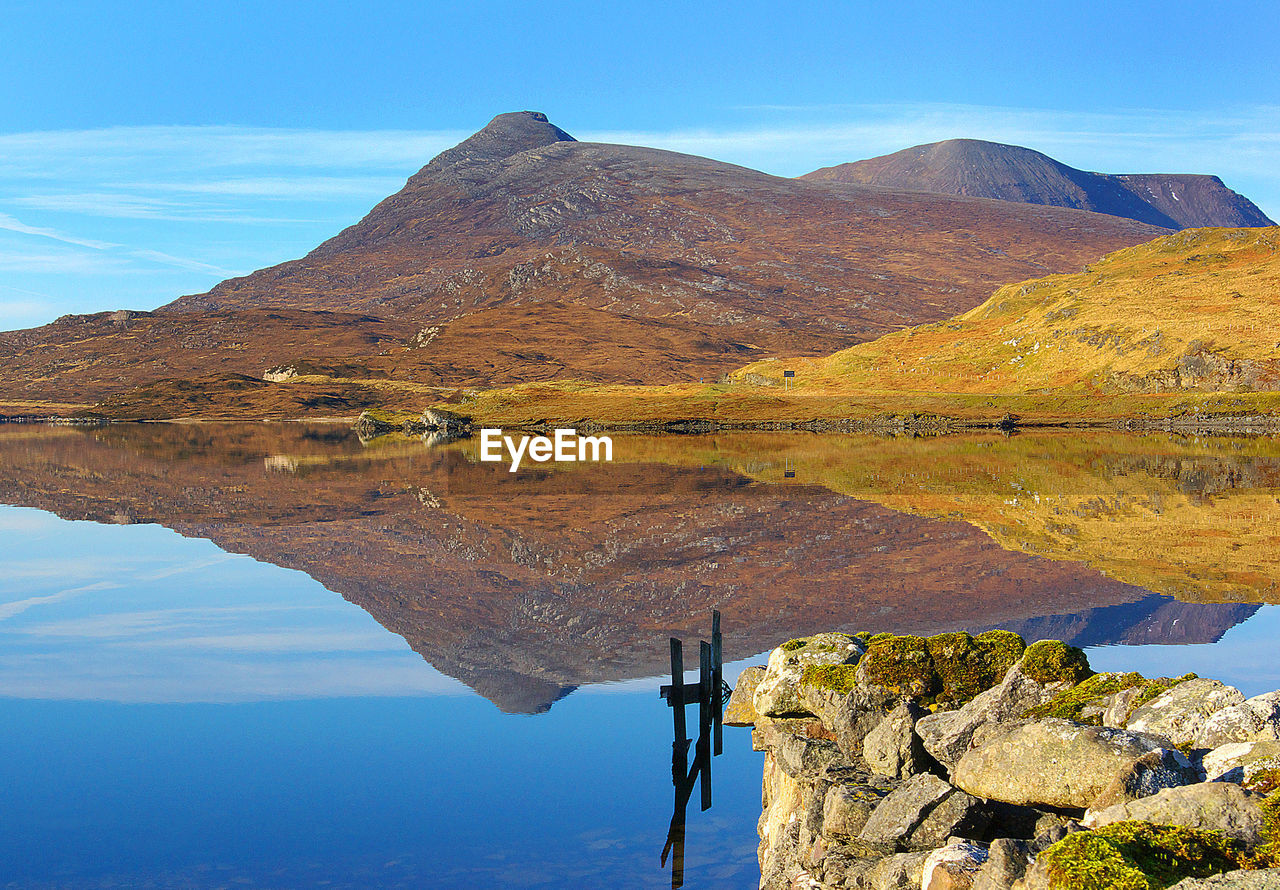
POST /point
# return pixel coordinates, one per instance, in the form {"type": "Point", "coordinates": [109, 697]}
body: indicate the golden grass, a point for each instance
{"type": "Point", "coordinates": [1131, 316]}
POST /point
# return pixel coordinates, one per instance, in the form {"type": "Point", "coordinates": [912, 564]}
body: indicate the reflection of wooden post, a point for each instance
{"type": "Point", "coordinates": [709, 691]}
{"type": "Point", "coordinates": [717, 684]}
{"type": "Point", "coordinates": [703, 758]}
{"type": "Point", "coordinates": [676, 698]}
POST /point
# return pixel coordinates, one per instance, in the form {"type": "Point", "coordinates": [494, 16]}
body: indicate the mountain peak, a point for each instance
{"type": "Point", "coordinates": [981, 169]}
{"type": "Point", "coordinates": [505, 135]}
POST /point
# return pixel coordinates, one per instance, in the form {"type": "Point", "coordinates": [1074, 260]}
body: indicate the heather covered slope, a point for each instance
{"type": "Point", "coordinates": [1013, 173]}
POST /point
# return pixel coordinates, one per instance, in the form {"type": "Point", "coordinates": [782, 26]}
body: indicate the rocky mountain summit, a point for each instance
{"type": "Point", "coordinates": [958, 762]}
{"type": "Point", "coordinates": [1013, 173]}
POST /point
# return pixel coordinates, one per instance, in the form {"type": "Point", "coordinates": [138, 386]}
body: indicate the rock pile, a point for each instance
{"type": "Point", "coordinates": [961, 761]}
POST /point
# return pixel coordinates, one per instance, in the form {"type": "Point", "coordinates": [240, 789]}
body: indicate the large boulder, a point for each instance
{"type": "Point", "coordinates": [1181, 713]}
{"type": "Point", "coordinates": [893, 749]}
{"type": "Point", "coordinates": [903, 810]}
{"type": "Point", "coordinates": [1256, 719]}
{"type": "Point", "coordinates": [1216, 806]}
{"type": "Point", "coordinates": [1149, 774]}
{"type": "Point", "coordinates": [741, 710]}
{"type": "Point", "coordinates": [1241, 762]}
{"type": "Point", "coordinates": [947, 735]}
{"type": "Point", "coordinates": [1054, 763]}
{"type": "Point", "coordinates": [778, 693]}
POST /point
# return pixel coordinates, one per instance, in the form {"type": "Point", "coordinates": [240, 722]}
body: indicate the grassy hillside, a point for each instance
{"type": "Point", "coordinates": [1190, 311]}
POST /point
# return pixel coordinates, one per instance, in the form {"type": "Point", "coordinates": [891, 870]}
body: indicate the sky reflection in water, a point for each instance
{"type": "Point", "coordinates": [178, 716]}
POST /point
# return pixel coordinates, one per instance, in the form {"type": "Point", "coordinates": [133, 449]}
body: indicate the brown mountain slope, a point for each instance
{"type": "Point", "coordinates": [85, 358]}
{"type": "Point", "coordinates": [523, 255]}
{"type": "Point", "coordinates": [1013, 173]}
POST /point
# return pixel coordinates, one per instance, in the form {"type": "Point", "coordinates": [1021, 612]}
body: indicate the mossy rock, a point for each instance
{"type": "Point", "coordinates": [969, 665]}
{"type": "Point", "coordinates": [1095, 690]}
{"type": "Point", "coordinates": [1158, 686]}
{"type": "Point", "coordinates": [901, 665]}
{"type": "Point", "coordinates": [838, 678]}
{"type": "Point", "coordinates": [1053, 661]}
{"type": "Point", "coordinates": [1003, 649]}
{"type": "Point", "coordinates": [1070, 704]}
{"type": "Point", "coordinates": [944, 670]}
{"type": "Point", "coordinates": [1268, 853]}
{"type": "Point", "coordinates": [1140, 856]}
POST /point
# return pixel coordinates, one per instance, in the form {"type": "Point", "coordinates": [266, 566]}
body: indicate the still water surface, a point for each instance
{"type": "Point", "coordinates": [278, 656]}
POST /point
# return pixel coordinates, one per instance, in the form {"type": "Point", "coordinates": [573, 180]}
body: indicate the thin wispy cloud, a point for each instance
{"type": "Point", "coordinates": [17, 607]}
{"type": "Point", "coordinates": [8, 223]}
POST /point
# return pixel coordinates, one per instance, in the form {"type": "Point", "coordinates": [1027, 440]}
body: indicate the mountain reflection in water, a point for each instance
{"type": "Point", "coordinates": [525, 586]}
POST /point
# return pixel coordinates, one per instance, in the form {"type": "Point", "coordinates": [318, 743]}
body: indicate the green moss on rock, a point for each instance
{"type": "Point", "coordinates": [1266, 781]}
{"type": "Point", "coordinates": [942, 671]}
{"type": "Point", "coordinates": [839, 678]}
{"type": "Point", "coordinates": [793, 645]}
{"type": "Point", "coordinates": [1140, 856]}
{"type": "Point", "coordinates": [964, 668]}
{"type": "Point", "coordinates": [1053, 661]}
{"type": "Point", "coordinates": [1003, 649]}
{"type": "Point", "coordinates": [1070, 704]}
{"type": "Point", "coordinates": [1158, 686]}
{"type": "Point", "coordinates": [901, 665]}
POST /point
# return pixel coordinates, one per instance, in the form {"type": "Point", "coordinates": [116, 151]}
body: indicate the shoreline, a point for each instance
{"type": "Point", "coordinates": [461, 426]}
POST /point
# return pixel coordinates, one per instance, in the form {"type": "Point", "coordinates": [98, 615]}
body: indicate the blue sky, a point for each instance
{"type": "Point", "coordinates": [151, 149]}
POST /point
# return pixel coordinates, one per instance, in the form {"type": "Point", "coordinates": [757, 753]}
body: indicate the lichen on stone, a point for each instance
{"type": "Point", "coordinates": [1134, 855]}
{"type": "Point", "coordinates": [793, 645]}
{"type": "Point", "coordinates": [1053, 661]}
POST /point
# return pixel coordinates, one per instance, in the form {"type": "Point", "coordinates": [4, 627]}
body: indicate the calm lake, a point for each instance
{"type": "Point", "coordinates": [277, 656]}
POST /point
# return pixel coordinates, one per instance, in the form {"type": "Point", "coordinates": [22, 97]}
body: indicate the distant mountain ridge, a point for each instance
{"type": "Point", "coordinates": [1012, 173]}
